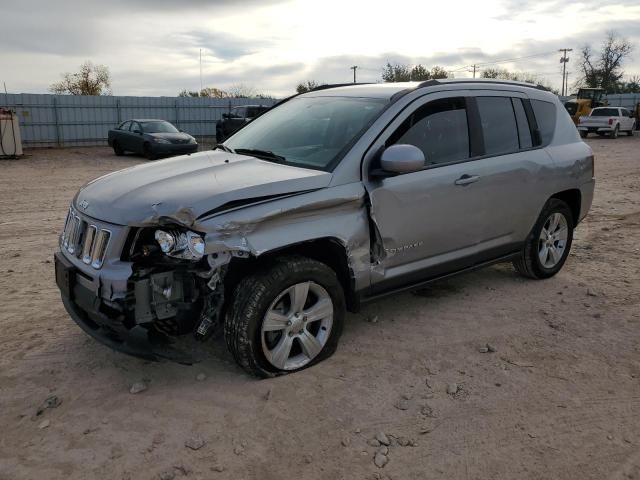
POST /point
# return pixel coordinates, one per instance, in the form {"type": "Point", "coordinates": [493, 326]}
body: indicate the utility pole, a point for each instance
{"type": "Point", "coordinates": [354, 68]}
{"type": "Point", "coordinates": [475, 67]}
{"type": "Point", "coordinates": [563, 60]}
{"type": "Point", "coordinates": [200, 70]}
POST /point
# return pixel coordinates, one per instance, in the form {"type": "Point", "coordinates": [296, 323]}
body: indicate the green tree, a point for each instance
{"type": "Point", "coordinates": [89, 80]}
{"type": "Point", "coordinates": [396, 73]}
{"type": "Point", "coordinates": [405, 73]}
{"type": "Point", "coordinates": [439, 72]}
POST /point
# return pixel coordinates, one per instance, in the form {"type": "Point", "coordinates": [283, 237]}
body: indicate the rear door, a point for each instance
{"type": "Point", "coordinates": [462, 208]}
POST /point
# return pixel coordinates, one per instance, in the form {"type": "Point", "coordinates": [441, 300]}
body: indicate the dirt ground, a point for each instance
{"type": "Point", "coordinates": [558, 399]}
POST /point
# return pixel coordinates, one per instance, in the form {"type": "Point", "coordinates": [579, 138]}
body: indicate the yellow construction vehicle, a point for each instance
{"type": "Point", "coordinates": [586, 100]}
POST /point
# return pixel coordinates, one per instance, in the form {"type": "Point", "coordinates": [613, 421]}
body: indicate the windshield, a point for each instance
{"type": "Point", "coordinates": [604, 112]}
{"type": "Point", "coordinates": [308, 132]}
{"type": "Point", "coordinates": [158, 127]}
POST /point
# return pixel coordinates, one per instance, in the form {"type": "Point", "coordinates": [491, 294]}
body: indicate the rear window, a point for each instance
{"type": "Point", "coordinates": [498, 125]}
{"type": "Point", "coordinates": [545, 113]}
{"type": "Point", "coordinates": [604, 112]}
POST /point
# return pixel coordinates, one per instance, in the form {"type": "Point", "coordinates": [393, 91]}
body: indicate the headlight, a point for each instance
{"type": "Point", "coordinates": [166, 241]}
{"type": "Point", "coordinates": [186, 245]}
{"type": "Point", "coordinates": [192, 140]}
{"type": "Point", "coordinates": [160, 140]}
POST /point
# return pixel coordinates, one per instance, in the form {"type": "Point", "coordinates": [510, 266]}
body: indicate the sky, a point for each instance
{"type": "Point", "coordinates": [152, 47]}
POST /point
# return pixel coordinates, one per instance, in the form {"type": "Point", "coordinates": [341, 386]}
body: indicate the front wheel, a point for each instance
{"type": "Point", "coordinates": [117, 149]}
{"type": "Point", "coordinates": [148, 152]}
{"type": "Point", "coordinates": [286, 318]}
{"type": "Point", "coordinates": [547, 246]}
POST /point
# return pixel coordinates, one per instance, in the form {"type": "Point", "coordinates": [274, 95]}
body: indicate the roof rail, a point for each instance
{"type": "Point", "coordinates": [433, 82]}
{"type": "Point", "coordinates": [336, 85]}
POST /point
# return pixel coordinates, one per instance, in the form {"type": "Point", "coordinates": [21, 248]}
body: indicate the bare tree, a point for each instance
{"type": "Point", "coordinates": [89, 80]}
{"type": "Point", "coordinates": [207, 92]}
{"type": "Point", "coordinates": [240, 90]}
{"type": "Point", "coordinates": [504, 74]}
{"type": "Point", "coordinates": [307, 86]}
{"type": "Point", "coordinates": [603, 69]}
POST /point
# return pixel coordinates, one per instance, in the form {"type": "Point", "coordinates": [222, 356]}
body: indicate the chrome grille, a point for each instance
{"type": "Point", "coordinates": [84, 240]}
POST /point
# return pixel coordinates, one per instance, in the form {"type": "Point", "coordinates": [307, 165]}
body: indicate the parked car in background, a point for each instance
{"type": "Point", "coordinates": [607, 121]}
{"type": "Point", "coordinates": [333, 198]}
{"type": "Point", "coordinates": [237, 118]}
{"type": "Point", "coordinates": [150, 137]}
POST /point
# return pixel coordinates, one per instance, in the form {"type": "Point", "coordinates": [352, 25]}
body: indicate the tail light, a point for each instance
{"type": "Point", "coordinates": [593, 166]}
{"type": "Point", "coordinates": [611, 121]}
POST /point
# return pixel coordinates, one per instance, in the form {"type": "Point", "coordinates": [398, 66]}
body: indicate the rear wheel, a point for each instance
{"type": "Point", "coordinates": [584, 133]}
{"type": "Point", "coordinates": [547, 247]}
{"type": "Point", "coordinates": [630, 131]}
{"type": "Point", "coordinates": [148, 152]}
{"type": "Point", "coordinates": [614, 133]}
{"type": "Point", "coordinates": [285, 318]}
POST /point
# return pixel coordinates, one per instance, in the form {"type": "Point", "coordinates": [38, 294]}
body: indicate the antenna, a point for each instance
{"type": "Point", "coordinates": [200, 70]}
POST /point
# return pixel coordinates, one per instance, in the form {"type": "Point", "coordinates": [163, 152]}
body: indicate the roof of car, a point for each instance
{"type": "Point", "coordinates": [147, 120]}
{"type": "Point", "coordinates": [388, 90]}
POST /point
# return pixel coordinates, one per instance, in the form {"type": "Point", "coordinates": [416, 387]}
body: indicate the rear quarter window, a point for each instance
{"type": "Point", "coordinates": [545, 113]}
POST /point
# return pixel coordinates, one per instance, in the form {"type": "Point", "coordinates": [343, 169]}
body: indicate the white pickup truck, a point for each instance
{"type": "Point", "coordinates": [607, 121]}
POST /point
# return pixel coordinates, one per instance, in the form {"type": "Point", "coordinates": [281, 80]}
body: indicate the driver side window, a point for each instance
{"type": "Point", "coordinates": [440, 129]}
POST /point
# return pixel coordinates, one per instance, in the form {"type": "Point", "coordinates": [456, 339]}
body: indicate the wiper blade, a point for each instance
{"type": "Point", "coordinates": [262, 154]}
{"type": "Point", "coordinates": [223, 147]}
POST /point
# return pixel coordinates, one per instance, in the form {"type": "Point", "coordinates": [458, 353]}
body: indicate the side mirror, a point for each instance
{"type": "Point", "coordinates": [137, 131]}
{"type": "Point", "coordinates": [226, 115]}
{"type": "Point", "coordinates": [402, 158]}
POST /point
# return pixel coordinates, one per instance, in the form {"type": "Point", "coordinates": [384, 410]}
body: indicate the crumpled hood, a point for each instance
{"type": "Point", "coordinates": [187, 187]}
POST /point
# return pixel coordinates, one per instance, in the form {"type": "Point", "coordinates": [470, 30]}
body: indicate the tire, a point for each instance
{"type": "Point", "coordinates": [614, 134]}
{"type": "Point", "coordinates": [255, 349]}
{"type": "Point", "coordinates": [630, 131]}
{"type": "Point", "coordinates": [148, 152]}
{"type": "Point", "coordinates": [584, 133]}
{"type": "Point", "coordinates": [117, 149]}
{"type": "Point", "coordinates": [529, 263]}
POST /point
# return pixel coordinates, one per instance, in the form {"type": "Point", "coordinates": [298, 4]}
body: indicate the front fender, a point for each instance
{"type": "Point", "coordinates": [336, 212]}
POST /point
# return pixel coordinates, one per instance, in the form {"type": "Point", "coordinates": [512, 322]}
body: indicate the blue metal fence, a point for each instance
{"type": "Point", "coordinates": [66, 120]}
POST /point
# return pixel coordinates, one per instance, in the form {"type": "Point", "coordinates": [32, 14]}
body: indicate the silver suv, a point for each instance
{"type": "Point", "coordinates": [328, 200]}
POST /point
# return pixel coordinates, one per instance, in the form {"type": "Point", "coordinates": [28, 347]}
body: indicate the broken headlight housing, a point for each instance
{"type": "Point", "coordinates": [186, 245]}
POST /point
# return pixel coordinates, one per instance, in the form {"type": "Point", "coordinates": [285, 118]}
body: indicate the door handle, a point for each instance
{"type": "Point", "coordinates": [467, 179]}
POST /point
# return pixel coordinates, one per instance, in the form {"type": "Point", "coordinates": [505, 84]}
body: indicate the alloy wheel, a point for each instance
{"type": "Point", "coordinates": [297, 326]}
{"type": "Point", "coordinates": [553, 240]}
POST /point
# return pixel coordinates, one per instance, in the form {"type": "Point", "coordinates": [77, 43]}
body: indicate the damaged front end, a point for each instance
{"type": "Point", "coordinates": [161, 298]}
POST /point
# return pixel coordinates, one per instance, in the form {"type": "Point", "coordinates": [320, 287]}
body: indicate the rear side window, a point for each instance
{"type": "Point", "coordinates": [524, 132]}
{"type": "Point", "coordinates": [439, 128]}
{"type": "Point", "coordinates": [605, 112]}
{"type": "Point", "coordinates": [545, 113]}
{"type": "Point", "coordinates": [124, 125]}
{"type": "Point", "coordinates": [498, 125]}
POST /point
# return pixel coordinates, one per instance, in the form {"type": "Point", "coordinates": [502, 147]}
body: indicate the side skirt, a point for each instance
{"type": "Point", "coordinates": [412, 286]}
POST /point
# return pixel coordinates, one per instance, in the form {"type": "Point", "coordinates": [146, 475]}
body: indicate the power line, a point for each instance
{"type": "Point", "coordinates": [507, 60]}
